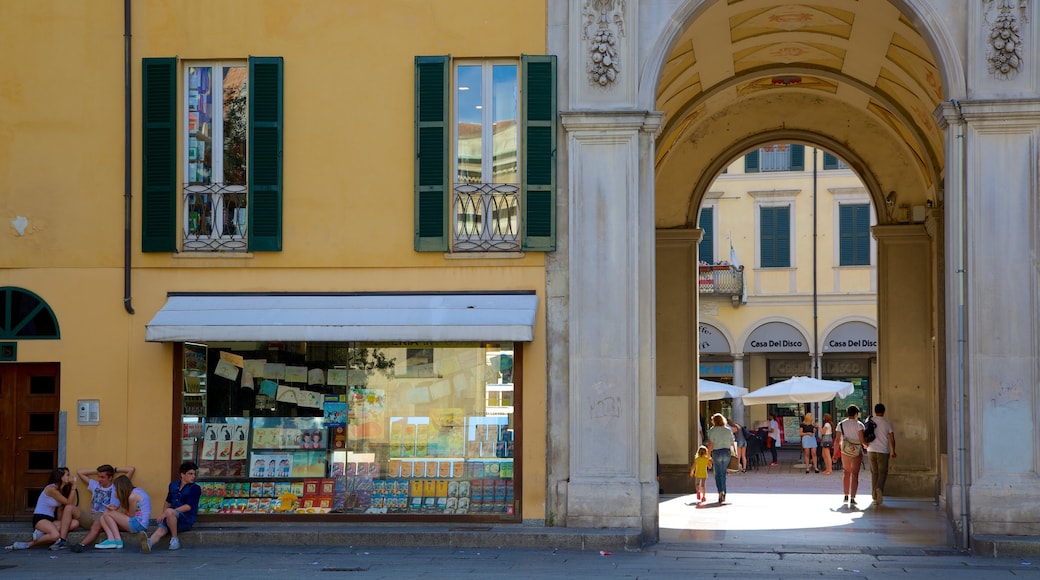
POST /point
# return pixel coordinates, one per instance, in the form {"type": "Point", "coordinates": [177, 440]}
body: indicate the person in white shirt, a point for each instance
{"type": "Point", "coordinates": [879, 451]}
{"type": "Point", "coordinates": [774, 435]}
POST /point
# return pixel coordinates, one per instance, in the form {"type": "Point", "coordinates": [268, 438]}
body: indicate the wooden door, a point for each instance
{"type": "Point", "coordinates": [29, 407]}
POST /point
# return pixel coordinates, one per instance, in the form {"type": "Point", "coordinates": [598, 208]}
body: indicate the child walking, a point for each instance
{"type": "Point", "coordinates": [699, 473]}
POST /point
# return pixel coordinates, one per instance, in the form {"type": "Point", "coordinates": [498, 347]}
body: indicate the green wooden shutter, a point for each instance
{"type": "Point", "coordinates": [432, 150]}
{"type": "Point", "coordinates": [265, 153]}
{"type": "Point", "coordinates": [783, 237]}
{"type": "Point", "coordinates": [751, 162]}
{"type": "Point", "coordinates": [829, 161]}
{"type": "Point", "coordinates": [159, 155]}
{"type": "Point", "coordinates": [706, 251]}
{"type": "Point", "coordinates": [797, 157]}
{"type": "Point", "coordinates": [538, 196]}
{"type": "Point", "coordinates": [854, 235]}
{"type": "Point", "coordinates": [775, 237]}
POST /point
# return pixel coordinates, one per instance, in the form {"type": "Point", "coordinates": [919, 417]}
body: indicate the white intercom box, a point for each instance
{"type": "Point", "coordinates": [88, 411]}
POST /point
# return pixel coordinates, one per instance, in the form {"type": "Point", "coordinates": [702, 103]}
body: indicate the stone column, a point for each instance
{"type": "Point", "coordinates": [612, 376]}
{"type": "Point", "coordinates": [676, 338]}
{"type": "Point", "coordinates": [738, 380]}
{"type": "Point", "coordinates": [906, 338]}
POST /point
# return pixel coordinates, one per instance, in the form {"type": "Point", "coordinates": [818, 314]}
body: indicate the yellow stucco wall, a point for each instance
{"type": "Point", "coordinates": [348, 186]}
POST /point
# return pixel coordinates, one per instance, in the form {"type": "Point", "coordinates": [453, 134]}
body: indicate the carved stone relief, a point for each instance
{"type": "Point", "coordinates": [1005, 37]}
{"type": "Point", "coordinates": [604, 24]}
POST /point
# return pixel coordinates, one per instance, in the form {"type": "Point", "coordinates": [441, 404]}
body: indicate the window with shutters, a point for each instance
{"type": "Point", "coordinates": [854, 234]}
{"type": "Point", "coordinates": [485, 163]}
{"type": "Point", "coordinates": [774, 234]}
{"type": "Point", "coordinates": [775, 157]}
{"type": "Point", "coordinates": [228, 135]}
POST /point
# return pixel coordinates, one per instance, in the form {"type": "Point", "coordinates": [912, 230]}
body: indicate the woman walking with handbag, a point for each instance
{"type": "Point", "coordinates": [720, 438]}
{"type": "Point", "coordinates": [849, 439]}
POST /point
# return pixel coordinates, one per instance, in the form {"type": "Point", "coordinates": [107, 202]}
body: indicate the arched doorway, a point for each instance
{"type": "Point", "coordinates": [720, 95]}
{"type": "Point", "coordinates": [862, 86]}
{"type": "Point", "coordinates": [695, 84]}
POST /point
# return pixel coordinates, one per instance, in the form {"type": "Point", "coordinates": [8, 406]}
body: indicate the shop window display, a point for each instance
{"type": "Point", "coordinates": [423, 429]}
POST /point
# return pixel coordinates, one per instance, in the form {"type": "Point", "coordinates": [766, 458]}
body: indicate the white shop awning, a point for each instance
{"type": "Point", "coordinates": [454, 317]}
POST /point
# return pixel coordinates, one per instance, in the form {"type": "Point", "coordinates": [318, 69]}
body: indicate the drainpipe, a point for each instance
{"type": "Point", "coordinates": [127, 158]}
{"type": "Point", "coordinates": [815, 292]}
{"type": "Point", "coordinates": [959, 199]}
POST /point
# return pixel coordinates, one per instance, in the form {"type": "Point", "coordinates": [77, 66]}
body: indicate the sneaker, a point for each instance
{"type": "Point", "coordinates": [852, 502]}
{"type": "Point", "coordinates": [109, 545]}
{"type": "Point", "coordinates": [175, 544]}
{"type": "Point", "coordinates": [845, 499]}
{"type": "Point", "coordinates": [773, 463]}
{"type": "Point", "coordinates": [37, 534]}
{"type": "Point", "coordinates": [77, 548]}
{"type": "Point", "coordinates": [61, 544]}
{"type": "Point", "coordinates": [146, 542]}
{"type": "Point", "coordinates": [18, 546]}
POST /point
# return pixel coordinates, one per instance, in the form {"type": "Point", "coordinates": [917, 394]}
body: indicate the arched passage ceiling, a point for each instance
{"type": "Point", "coordinates": [853, 76]}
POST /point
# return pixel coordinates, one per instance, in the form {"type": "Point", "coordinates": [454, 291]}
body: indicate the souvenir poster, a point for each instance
{"type": "Point", "coordinates": [226, 370]}
{"type": "Point", "coordinates": [295, 374]}
{"type": "Point", "coordinates": [233, 359]}
{"type": "Point", "coordinates": [271, 465]}
{"type": "Point", "coordinates": [239, 450]}
{"type": "Point", "coordinates": [447, 432]}
{"type": "Point", "coordinates": [247, 380]}
{"type": "Point", "coordinates": [366, 414]}
{"type": "Point", "coordinates": [335, 408]}
{"type": "Point", "coordinates": [308, 464]}
{"type": "Point", "coordinates": [268, 388]}
{"type": "Point", "coordinates": [255, 367]}
{"type": "Point", "coordinates": [309, 399]}
{"type": "Point", "coordinates": [315, 377]}
{"type": "Point", "coordinates": [274, 371]}
{"type": "Point", "coordinates": [337, 377]}
{"type": "Point", "coordinates": [287, 394]}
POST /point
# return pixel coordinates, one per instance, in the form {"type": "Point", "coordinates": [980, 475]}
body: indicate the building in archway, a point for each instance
{"type": "Point", "coordinates": [771, 219]}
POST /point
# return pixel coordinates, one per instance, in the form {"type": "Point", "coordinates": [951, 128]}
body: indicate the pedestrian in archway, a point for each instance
{"type": "Point", "coordinates": [773, 437]}
{"type": "Point", "coordinates": [720, 440]}
{"type": "Point", "coordinates": [827, 443]}
{"type": "Point", "coordinates": [808, 432]}
{"type": "Point", "coordinates": [851, 442]}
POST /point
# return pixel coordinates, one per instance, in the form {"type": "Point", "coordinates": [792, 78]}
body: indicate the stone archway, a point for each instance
{"type": "Point", "coordinates": [886, 86]}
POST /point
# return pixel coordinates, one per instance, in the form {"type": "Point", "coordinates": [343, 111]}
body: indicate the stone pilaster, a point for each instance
{"type": "Point", "coordinates": [906, 340]}
{"type": "Point", "coordinates": [612, 377]}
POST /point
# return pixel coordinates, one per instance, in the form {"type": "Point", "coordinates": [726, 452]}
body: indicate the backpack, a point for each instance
{"type": "Point", "coordinates": [868, 430]}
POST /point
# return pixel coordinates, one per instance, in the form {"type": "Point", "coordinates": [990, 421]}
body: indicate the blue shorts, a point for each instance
{"type": "Point", "coordinates": [137, 526]}
{"type": "Point", "coordinates": [183, 524]}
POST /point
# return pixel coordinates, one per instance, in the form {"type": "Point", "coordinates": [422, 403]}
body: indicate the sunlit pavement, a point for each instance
{"type": "Point", "coordinates": [782, 507]}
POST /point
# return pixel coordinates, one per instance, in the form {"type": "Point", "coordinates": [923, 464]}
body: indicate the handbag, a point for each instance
{"type": "Point", "coordinates": [848, 447]}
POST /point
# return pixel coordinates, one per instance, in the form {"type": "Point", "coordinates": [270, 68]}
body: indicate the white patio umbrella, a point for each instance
{"type": "Point", "coordinates": [799, 390]}
{"type": "Point", "coordinates": [711, 390]}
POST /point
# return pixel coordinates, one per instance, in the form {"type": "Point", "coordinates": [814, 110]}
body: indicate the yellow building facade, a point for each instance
{"type": "Point", "coordinates": [151, 159]}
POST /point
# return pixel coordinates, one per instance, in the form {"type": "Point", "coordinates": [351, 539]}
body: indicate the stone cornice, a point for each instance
{"type": "Point", "coordinates": [648, 121]}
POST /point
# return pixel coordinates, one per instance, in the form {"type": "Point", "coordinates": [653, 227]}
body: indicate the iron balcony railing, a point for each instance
{"type": "Point", "coordinates": [721, 280]}
{"type": "Point", "coordinates": [215, 218]}
{"type": "Point", "coordinates": [486, 217]}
